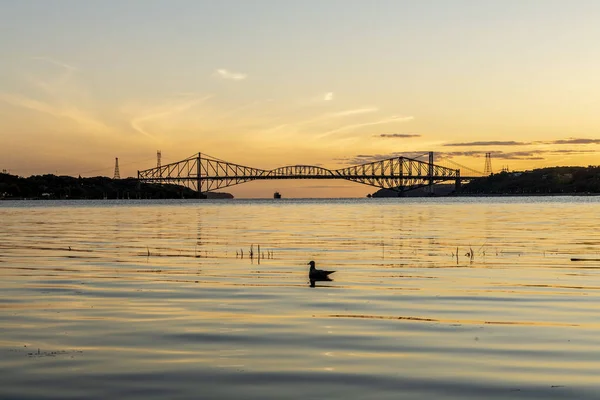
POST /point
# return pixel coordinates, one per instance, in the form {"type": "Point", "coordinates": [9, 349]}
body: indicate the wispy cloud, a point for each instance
{"type": "Point", "coordinates": [321, 98]}
{"type": "Point", "coordinates": [569, 151]}
{"type": "Point", "coordinates": [360, 159]}
{"type": "Point", "coordinates": [63, 96]}
{"type": "Point", "coordinates": [514, 155]}
{"type": "Point", "coordinates": [168, 109]}
{"type": "Point", "coordinates": [356, 126]}
{"type": "Point", "coordinates": [398, 135]}
{"type": "Point", "coordinates": [58, 80]}
{"type": "Point", "coordinates": [32, 104]}
{"type": "Point", "coordinates": [574, 141]}
{"type": "Point", "coordinates": [56, 62]}
{"type": "Point", "coordinates": [520, 155]}
{"type": "Point", "coordinates": [515, 143]}
{"type": "Point", "coordinates": [354, 112]}
{"type": "Point", "coordinates": [324, 117]}
{"type": "Point", "coordinates": [226, 74]}
{"type": "Point", "coordinates": [533, 155]}
{"type": "Point", "coordinates": [488, 143]}
{"type": "Point", "coordinates": [60, 111]}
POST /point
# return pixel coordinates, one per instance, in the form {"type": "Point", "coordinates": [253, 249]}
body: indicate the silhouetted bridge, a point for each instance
{"type": "Point", "coordinates": [204, 173]}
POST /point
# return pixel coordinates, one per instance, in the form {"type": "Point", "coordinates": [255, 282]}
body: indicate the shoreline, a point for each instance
{"type": "Point", "coordinates": [301, 198]}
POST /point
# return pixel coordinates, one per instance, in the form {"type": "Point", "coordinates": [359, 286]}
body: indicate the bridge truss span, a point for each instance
{"type": "Point", "coordinates": [300, 172]}
{"type": "Point", "coordinates": [204, 173]}
{"type": "Point", "coordinates": [399, 173]}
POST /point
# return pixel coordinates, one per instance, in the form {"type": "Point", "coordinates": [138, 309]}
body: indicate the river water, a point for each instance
{"type": "Point", "coordinates": [460, 298]}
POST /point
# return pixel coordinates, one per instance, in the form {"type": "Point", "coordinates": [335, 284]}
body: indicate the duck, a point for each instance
{"type": "Point", "coordinates": [318, 274]}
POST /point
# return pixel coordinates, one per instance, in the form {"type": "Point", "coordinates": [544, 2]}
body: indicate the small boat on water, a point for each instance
{"type": "Point", "coordinates": [276, 195]}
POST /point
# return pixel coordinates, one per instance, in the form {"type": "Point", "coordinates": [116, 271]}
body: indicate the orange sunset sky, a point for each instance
{"type": "Point", "coordinates": [273, 83]}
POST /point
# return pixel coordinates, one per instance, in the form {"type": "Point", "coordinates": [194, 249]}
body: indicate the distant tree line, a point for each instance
{"type": "Point", "coordinates": [68, 187]}
{"type": "Point", "coordinates": [553, 180]}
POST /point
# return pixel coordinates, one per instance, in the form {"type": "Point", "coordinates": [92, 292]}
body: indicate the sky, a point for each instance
{"type": "Point", "coordinates": [269, 83]}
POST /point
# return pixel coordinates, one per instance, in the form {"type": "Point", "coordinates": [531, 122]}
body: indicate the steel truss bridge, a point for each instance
{"type": "Point", "coordinates": [204, 173]}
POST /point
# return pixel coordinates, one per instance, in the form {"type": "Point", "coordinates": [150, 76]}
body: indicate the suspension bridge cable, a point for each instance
{"type": "Point", "coordinates": [228, 162]}
{"type": "Point", "coordinates": [425, 154]}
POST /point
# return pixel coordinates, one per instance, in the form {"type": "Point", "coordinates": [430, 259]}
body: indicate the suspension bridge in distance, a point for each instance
{"type": "Point", "coordinates": [204, 173]}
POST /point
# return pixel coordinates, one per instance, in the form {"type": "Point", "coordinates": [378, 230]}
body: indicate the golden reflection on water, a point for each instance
{"type": "Point", "coordinates": [452, 298]}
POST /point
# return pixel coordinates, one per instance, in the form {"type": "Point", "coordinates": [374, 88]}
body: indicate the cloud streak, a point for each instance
{"type": "Point", "coordinates": [567, 151]}
{"type": "Point", "coordinates": [515, 143]}
{"type": "Point", "coordinates": [229, 75]}
{"type": "Point", "coordinates": [356, 126]}
{"type": "Point", "coordinates": [574, 141]}
{"type": "Point", "coordinates": [67, 111]}
{"type": "Point", "coordinates": [398, 135]}
{"type": "Point", "coordinates": [360, 159]}
{"type": "Point", "coordinates": [51, 87]}
{"type": "Point", "coordinates": [488, 143]}
{"type": "Point", "coordinates": [56, 62]}
{"type": "Point", "coordinates": [515, 155]}
{"type": "Point", "coordinates": [324, 117]}
{"type": "Point", "coordinates": [347, 113]}
{"type": "Point", "coordinates": [139, 122]}
{"type": "Point", "coordinates": [64, 97]}
{"type": "Point", "coordinates": [533, 155]}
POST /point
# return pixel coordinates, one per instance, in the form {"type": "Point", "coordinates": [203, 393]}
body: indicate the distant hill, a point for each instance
{"type": "Point", "coordinates": [68, 187]}
{"type": "Point", "coordinates": [553, 180]}
{"type": "Point", "coordinates": [218, 195]}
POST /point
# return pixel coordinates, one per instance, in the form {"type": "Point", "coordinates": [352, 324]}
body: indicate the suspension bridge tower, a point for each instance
{"type": "Point", "coordinates": [488, 164]}
{"type": "Point", "coordinates": [117, 175]}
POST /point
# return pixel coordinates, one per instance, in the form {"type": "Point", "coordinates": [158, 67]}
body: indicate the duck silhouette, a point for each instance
{"type": "Point", "coordinates": [316, 275]}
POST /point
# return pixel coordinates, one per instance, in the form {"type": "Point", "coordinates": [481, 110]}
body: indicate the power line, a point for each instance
{"type": "Point", "coordinates": [107, 168]}
{"type": "Point", "coordinates": [462, 166]}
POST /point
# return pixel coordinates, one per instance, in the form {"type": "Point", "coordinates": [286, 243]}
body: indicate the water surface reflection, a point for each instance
{"type": "Point", "coordinates": [434, 298]}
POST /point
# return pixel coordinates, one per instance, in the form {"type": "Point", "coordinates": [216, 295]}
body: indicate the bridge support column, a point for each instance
{"type": "Point", "coordinates": [139, 186]}
{"type": "Point", "coordinates": [430, 172]}
{"type": "Point", "coordinates": [457, 182]}
{"type": "Point", "coordinates": [199, 177]}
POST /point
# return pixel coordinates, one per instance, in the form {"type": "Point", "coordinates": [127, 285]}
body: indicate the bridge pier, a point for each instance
{"type": "Point", "coordinates": [199, 176]}
{"type": "Point", "coordinates": [430, 173]}
{"type": "Point", "coordinates": [457, 181]}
